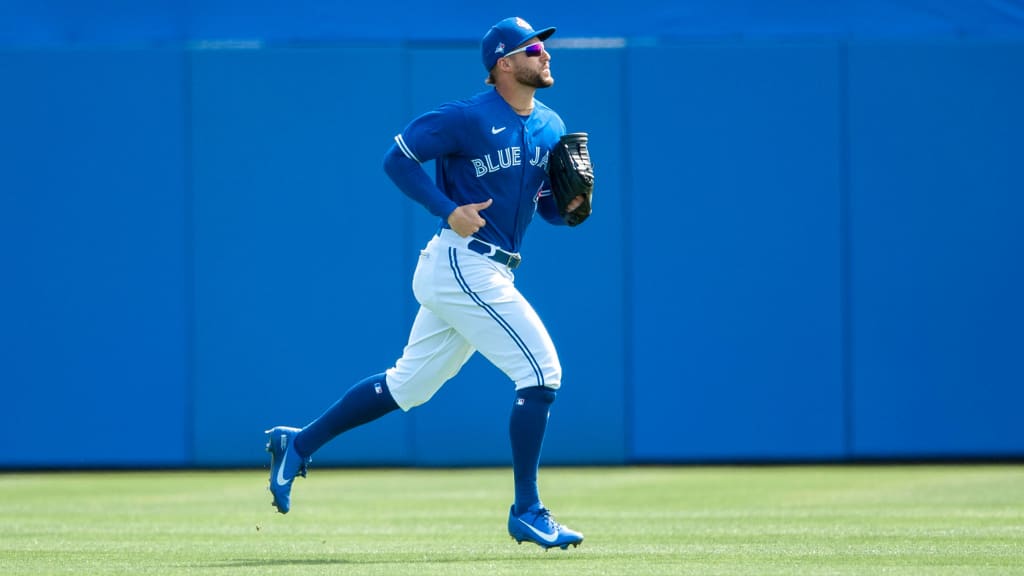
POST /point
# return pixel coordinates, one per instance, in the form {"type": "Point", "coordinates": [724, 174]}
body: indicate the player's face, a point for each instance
{"type": "Point", "coordinates": [533, 66]}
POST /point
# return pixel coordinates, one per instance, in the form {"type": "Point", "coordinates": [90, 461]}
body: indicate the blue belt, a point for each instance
{"type": "Point", "coordinates": [495, 253]}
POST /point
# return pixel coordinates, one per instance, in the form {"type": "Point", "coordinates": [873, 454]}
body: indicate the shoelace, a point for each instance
{"type": "Point", "coordinates": [546, 515]}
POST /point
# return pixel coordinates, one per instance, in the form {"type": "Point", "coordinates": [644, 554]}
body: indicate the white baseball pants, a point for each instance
{"type": "Point", "coordinates": [469, 302]}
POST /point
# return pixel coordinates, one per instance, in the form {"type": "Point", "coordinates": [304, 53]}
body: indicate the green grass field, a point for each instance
{"type": "Point", "coordinates": [664, 520]}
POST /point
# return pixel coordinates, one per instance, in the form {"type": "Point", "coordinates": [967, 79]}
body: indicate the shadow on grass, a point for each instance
{"type": "Point", "coordinates": [262, 562]}
{"type": "Point", "coordinates": [251, 563]}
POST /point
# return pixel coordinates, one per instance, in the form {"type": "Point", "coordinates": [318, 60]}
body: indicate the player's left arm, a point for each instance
{"type": "Point", "coordinates": [548, 208]}
{"type": "Point", "coordinates": [547, 205]}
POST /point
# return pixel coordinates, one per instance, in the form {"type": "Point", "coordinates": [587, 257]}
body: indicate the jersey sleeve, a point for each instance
{"type": "Point", "coordinates": [427, 137]}
{"type": "Point", "coordinates": [412, 180]}
{"type": "Point", "coordinates": [431, 135]}
{"type": "Point", "coordinates": [547, 207]}
{"type": "Point", "coordinates": [548, 210]}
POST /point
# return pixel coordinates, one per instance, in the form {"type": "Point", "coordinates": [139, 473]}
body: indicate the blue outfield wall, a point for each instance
{"type": "Point", "coordinates": [295, 233]}
{"type": "Point", "coordinates": [800, 251]}
{"type": "Point", "coordinates": [94, 263]}
{"type": "Point", "coordinates": [937, 260]}
{"type": "Point", "coordinates": [736, 277]}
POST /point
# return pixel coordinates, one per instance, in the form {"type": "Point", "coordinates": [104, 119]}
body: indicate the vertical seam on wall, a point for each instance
{"type": "Point", "coordinates": [409, 255]}
{"type": "Point", "coordinates": [190, 259]}
{"type": "Point", "coordinates": [627, 268]}
{"type": "Point", "coordinates": [845, 269]}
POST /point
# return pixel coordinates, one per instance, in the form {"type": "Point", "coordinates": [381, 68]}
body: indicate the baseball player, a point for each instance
{"type": "Point", "coordinates": [491, 154]}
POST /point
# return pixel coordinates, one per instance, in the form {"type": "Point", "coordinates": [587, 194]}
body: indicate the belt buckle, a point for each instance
{"type": "Point", "coordinates": [513, 261]}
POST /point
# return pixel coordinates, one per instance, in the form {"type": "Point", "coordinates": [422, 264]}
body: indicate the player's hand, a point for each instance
{"type": "Point", "coordinates": [575, 203]}
{"type": "Point", "coordinates": [466, 219]}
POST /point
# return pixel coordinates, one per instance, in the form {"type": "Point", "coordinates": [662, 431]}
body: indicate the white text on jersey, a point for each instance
{"type": "Point", "coordinates": [507, 158]}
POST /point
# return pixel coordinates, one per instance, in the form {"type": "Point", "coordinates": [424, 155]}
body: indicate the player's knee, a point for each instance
{"type": "Point", "coordinates": [552, 375]}
{"type": "Point", "coordinates": [535, 382]}
{"type": "Point", "coordinates": [552, 379]}
{"type": "Point", "coordinates": [410, 393]}
{"type": "Point", "coordinates": [409, 399]}
{"type": "Point", "coordinates": [537, 394]}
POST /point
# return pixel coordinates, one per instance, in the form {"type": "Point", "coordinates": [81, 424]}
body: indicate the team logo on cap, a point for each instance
{"type": "Point", "coordinates": [522, 23]}
{"type": "Point", "coordinates": [500, 48]}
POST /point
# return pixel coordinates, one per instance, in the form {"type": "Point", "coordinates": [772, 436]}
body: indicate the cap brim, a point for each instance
{"type": "Point", "coordinates": [542, 35]}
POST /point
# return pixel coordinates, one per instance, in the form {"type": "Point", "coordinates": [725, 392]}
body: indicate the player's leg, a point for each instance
{"type": "Point", "coordinates": [498, 321]}
{"type": "Point", "coordinates": [490, 312]}
{"type": "Point", "coordinates": [434, 353]}
{"type": "Point", "coordinates": [366, 401]}
{"type": "Point", "coordinates": [290, 448]}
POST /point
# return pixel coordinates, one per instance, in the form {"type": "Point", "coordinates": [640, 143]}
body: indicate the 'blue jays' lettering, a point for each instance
{"type": "Point", "coordinates": [507, 158]}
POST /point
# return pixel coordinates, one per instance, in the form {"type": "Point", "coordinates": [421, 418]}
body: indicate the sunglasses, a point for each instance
{"type": "Point", "coordinates": [532, 50]}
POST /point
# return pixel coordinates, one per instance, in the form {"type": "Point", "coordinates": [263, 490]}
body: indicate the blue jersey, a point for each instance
{"type": "Point", "coordinates": [484, 149]}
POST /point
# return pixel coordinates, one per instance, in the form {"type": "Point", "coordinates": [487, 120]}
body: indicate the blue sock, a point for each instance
{"type": "Point", "coordinates": [526, 429]}
{"type": "Point", "coordinates": [368, 400]}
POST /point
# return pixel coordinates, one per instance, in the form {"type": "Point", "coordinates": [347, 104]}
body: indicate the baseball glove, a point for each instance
{"type": "Point", "coordinates": [571, 175]}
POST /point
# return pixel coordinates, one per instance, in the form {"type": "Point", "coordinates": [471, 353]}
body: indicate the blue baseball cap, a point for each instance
{"type": "Point", "coordinates": [504, 36]}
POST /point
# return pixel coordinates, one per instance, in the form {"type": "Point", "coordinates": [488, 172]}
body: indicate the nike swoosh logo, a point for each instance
{"type": "Point", "coordinates": [549, 538]}
{"type": "Point", "coordinates": [497, 130]}
{"type": "Point", "coordinates": [280, 471]}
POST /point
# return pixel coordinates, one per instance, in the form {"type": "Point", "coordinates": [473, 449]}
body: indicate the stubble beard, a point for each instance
{"type": "Point", "coordinates": [534, 78]}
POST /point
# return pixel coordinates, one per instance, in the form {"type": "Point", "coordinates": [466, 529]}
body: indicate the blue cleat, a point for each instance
{"type": "Point", "coordinates": [285, 465]}
{"type": "Point", "coordinates": [536, 525]}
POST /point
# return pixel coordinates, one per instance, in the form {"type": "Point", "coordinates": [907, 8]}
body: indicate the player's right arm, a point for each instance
{"type": "Point", "coordinates": [427, 137]}
{"type": "Point", "coordinates": [412, 180]}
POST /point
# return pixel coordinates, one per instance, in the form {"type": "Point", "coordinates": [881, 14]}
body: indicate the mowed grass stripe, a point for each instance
{"type": "Point", "coordinates": [637, 520]}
